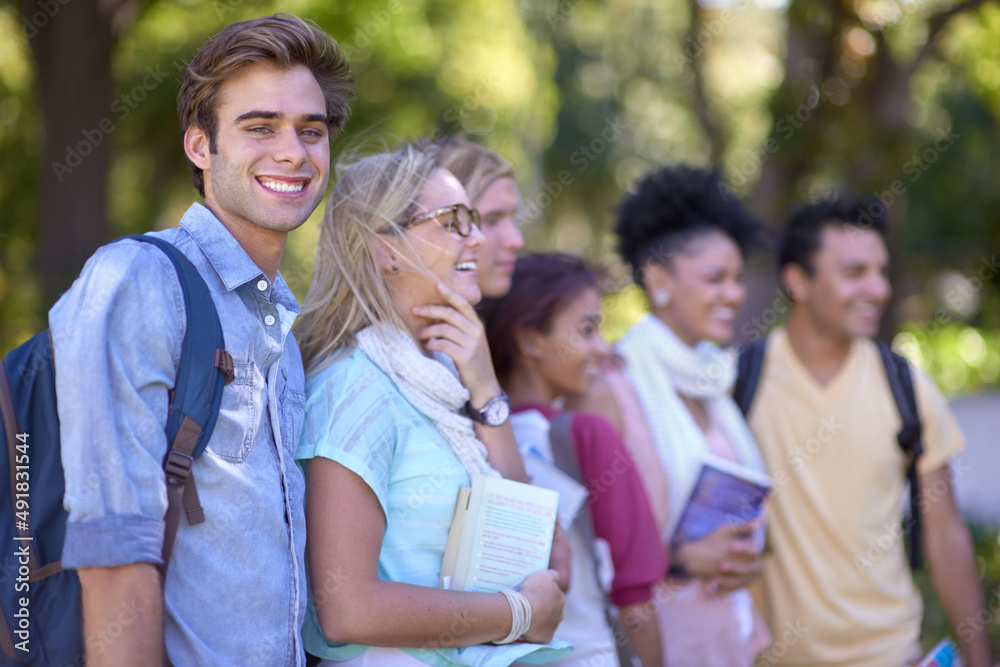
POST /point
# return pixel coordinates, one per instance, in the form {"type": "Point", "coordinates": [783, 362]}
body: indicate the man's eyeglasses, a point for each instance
{"type": "Point", "coordinates": [460, 219]}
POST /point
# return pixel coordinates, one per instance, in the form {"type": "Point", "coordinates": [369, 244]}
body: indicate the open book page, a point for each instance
{"type": "Point", "coordinates": [506, 534]}
{"type": "Point", "coordinates": [724, 493]}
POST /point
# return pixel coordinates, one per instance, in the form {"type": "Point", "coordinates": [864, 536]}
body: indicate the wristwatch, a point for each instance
{"type": "Point", "coordinates": [494, 413]}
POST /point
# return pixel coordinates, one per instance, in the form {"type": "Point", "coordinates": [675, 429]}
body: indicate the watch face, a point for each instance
{"type": "Point", "coordinates": [497, 412]}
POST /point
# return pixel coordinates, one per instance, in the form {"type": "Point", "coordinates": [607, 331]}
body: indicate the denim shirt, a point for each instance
{"type": "Point", "coordinates": [235, 591]}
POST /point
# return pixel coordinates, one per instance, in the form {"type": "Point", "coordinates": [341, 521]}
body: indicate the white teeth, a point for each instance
{"type": "Point", "coordinates": [724, 313]}
{"type": "Point", "coordinates": [280, 186]}
{"type": "Point", "coordinates": [466, 266]}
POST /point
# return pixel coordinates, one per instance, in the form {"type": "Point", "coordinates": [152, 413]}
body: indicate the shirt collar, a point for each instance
{"type": "Point", "coordinates": [227, 256]}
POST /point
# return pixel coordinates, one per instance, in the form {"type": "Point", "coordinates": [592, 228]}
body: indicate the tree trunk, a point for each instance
{"type": "Point", "coordinates": [71, 41]}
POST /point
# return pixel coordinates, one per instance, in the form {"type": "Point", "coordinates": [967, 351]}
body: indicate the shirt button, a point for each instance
{"type": "Point", "coordinates": [269, 320]}
{"type": "Point", "coordinates": [262, 285]}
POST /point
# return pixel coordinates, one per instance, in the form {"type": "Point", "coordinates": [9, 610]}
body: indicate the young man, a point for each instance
{"type": "Point", "coordinates": [258, 106]}
{"type": "Point", "coordinates": [836, 587]}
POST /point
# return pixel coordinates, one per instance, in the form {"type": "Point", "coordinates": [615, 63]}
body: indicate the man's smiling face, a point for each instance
{"type": "Point", "coordinates": [271, 162]}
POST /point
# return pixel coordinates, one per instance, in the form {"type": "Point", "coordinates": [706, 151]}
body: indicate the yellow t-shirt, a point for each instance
{"type": "Point", "coordinates": [836, 587]}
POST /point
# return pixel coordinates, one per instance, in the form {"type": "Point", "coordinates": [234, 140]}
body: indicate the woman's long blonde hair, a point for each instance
{"type": "Point", "coordinates": [349, 290]}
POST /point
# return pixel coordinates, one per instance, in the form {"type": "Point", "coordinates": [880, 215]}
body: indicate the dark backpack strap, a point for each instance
{"type": "Point", "coordinates": [205, 367]}
{"type": "Point", "coordinates": [749, 367]}
{"type": "Point", "coordinates": [910, 437]}
{"type": "Point", "coordinates": [564, 457]}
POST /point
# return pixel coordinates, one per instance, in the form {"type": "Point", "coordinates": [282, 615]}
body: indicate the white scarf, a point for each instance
{"type": "Point", "coordinates": [429, 387]}
{"type": "Point", "coordinates": [661, 366]}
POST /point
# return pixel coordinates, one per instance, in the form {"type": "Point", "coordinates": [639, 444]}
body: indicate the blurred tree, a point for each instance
{"type": "Point", "coordinates": [72, 43]}
{"type": "Point", "coordinates": [790, 99]}
{"type": "Point", "coordinates": [106, 159]}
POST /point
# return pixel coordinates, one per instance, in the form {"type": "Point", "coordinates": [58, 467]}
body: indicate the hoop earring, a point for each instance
{"type": "Point", "coordinates": [660, 297]}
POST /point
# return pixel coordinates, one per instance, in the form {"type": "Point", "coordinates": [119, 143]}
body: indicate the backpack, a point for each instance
{"type": "Point", "coordinates": [41, 602]}
{"type": "Point", "coordinates": [564, 457]}
{"type": "Point", "coordinates": [900, 378]}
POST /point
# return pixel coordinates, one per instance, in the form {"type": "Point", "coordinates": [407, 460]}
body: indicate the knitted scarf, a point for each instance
{"type": "Point", "coordinates": [430, 387]}
{"type": "Point", "coordinates": [660, 367]}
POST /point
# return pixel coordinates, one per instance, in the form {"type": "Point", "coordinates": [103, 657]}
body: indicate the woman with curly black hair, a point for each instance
{"type": "Point", "coordinates": [685, 237]}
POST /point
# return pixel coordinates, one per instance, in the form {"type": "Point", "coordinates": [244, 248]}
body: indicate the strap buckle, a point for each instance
{"type": "Point", "coordinates": [224, 362]}
{"type": "Point", "coordinates": [178, 467]}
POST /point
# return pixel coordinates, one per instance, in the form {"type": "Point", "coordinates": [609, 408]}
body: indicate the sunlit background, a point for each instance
{"type": "Point", "coordinates": [790, 100]}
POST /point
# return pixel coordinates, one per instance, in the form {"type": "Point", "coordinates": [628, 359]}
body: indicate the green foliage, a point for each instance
{"type": "Point", "coordinates": [545, 83]}
{"type": "Point", "coordinates": [20, 146]}
{"type": "Point", "coordinates": [960, 359]}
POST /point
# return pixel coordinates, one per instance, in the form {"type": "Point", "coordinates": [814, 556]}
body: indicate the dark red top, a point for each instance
{"type": "Point", "coordinates": [621, 512]}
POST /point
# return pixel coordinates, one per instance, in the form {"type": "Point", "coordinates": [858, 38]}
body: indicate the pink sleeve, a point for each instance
{"type": "Point", "coordinates": [621, 511]}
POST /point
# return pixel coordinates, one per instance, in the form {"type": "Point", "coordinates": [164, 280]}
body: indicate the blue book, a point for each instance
{"type": "Point", "coordinates": [724, 493]}
{"type": "Point", "coordinates": [945, 654]}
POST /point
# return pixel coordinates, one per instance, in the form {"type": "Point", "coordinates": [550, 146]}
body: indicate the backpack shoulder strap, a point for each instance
{"type": "Point", "coordinates": [749, 367]}
{"type": "Point", "coordinates": [563, 453]}
{"type": "Point", "coordinates": [564, 457]}
{"type": "Point", "coordinates": [910, 436]}
{"type": "Point", "coordinates": [205, 367]}
{"type": "Point", "coordinates": [900, 378]}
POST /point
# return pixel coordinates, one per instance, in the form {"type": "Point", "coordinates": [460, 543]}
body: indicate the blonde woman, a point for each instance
{"type": "Point", "coordinates": [489, 181]}
{"type": "Point", "coordinates": [396, 359]}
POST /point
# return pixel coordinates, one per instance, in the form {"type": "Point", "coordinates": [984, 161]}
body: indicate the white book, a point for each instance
{"type": "Point", "coordinates": [502, 532]}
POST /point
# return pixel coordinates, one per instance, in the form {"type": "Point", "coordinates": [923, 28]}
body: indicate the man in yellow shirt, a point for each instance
{"type": "Point", "coordinates": [836, 587]}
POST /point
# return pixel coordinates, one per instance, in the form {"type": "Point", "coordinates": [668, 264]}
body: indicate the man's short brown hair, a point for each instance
{"type": "Point", "coordinates": [282, 40]}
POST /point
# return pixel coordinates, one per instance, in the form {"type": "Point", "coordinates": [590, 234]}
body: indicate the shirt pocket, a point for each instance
{"type": "Point", "coordinates": [293, 404]}
{"type": "Point", "coordinates": [239, 418]}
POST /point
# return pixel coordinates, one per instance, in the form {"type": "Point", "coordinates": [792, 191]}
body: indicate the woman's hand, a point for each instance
{"type": "Point", "coordinates": [726, 557]}
{"type": "Point", "coordinates": [457, 331]}
{"type": "Point", "coordinates": [546, 600]}
{"type": "Point", "coordinates": [559, 559]}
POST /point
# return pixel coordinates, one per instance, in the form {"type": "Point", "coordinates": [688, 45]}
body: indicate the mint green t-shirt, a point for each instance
{"type": "Point", "coordinates": [356, 416]}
